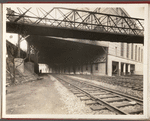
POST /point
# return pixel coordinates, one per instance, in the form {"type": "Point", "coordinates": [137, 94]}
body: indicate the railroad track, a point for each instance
{"type": "Point", "coordinates": [121, 81]}
{"type": "Point", "coordinates": [100, 98]}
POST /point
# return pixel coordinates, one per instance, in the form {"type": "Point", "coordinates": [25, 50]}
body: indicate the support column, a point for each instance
{"type": "Point", "coordinates": [109, 63]}
{"type": "Point", "coordinates": [124, 69]}
{"type": "Point", "coordinates": [119, 69]}
{"type": "Point", "coordinates": [129, 70]}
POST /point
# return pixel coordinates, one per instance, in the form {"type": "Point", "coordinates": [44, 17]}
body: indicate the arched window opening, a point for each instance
{"type": "Point", "coordinates": [139, 55]}
{"type": "Point", "coordinates": [132, 51]}
{"type": "Point", "coordinates": [136, 52]}
{"type": "Point", "coordinates": [142, 55]}
{"type": "Point", "coordinates": [122, 49]}
{"type": "Point", "coordinates": [127, 50]}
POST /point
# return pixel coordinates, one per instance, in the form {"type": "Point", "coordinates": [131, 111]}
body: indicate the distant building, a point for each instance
{"type": "Point", "coordinates": [44, 68]}
{"type": "Point", "coordinates": [124, 58]}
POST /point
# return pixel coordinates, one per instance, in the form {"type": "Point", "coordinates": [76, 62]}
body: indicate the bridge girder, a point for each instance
{"type": "Point", "coordinates": [118, 28]}
{"type": "Point", "coordinates": [26, 29]}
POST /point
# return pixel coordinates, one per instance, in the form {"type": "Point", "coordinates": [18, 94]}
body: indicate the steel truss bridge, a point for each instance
{"type": "Point", "coordinates": [74, 23]}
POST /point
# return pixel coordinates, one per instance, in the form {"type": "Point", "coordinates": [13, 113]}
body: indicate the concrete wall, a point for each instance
{"type": "Point", "coordinates": [30, 66]}
{"type": "Point", "coordinates": [115, 55]}
{"type": "Point", "coordinates": [139, 69]}
{"type": "Point", "coordinates": [114, 45]}
{"type": "Point", "coordinates": [112, 48]}
{"type": "Point", "coordinates": [19, 64]}
{"type": "Point", "coordinates": [101, 69]}
{"type": "Point", "coordinates": [88, 70]}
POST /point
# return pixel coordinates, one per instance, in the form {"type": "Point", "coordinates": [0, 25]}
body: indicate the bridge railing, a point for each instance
{"type": "Point", "coordinates": [79, 19]}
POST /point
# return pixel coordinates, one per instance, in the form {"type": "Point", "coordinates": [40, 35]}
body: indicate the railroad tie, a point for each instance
{"type": "Point", "coordinates": [76, 92]}
{"type": "Point", "coordinates": [136, 111]}
{"type": "Point", "coordinates": [101, 93]}
{"type": "Point", "coordinates": [123, 104]}
{"type": "Point", "coordinates": [97, 107]}
{"type": "Point", "coordinates": [109, 96]}
{"type": "Point", "coordinates": [80, 95]}
{"type": "Point", "coordinates": [90, 102]}
{"type": "Point", "coordinates": [115, 99]}
{"type": "Point", "coordinates": [85, 98]}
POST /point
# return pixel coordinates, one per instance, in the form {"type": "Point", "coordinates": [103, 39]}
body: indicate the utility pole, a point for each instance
{"type": "Point", "coordinates": [28, 50]}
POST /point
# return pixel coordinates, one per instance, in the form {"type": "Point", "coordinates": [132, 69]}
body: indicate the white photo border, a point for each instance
{"type": "Point", "coordinates": [58, 116]}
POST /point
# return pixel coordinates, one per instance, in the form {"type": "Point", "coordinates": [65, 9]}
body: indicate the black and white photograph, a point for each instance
{"type": "Point", "coordinates": [78, 61]}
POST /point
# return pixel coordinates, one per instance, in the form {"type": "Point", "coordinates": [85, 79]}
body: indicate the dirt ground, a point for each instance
{"type": "Point", "coordinates": [36, 97]}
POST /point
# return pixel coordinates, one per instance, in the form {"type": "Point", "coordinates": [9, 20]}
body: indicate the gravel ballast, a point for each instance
{"type": "Point", "coordinates": [129, 91]}
{"type": "Point", "coordinates": [73, 104]}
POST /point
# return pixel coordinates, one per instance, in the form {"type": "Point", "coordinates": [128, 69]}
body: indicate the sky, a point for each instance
{"type": "Point", "coordinates": [134, 11]}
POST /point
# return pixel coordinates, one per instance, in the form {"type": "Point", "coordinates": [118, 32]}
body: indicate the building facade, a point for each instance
{"type": "Point", "coordinates": [44, 68]}
{"type": "Point", "coordinates": [125, 58]}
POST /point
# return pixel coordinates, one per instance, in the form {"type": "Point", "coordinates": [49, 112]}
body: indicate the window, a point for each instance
{"type": "Point", "coordinates": [127, 50]}
{"type": "Point", "coordinates": [116, 50]}
{"type": "Point", "coordinates": [132, 51]}
{"type": "Point", "coordinates": [96, 66]}
{"type": "Point", "coordinates": [139, 54]}
{"type": "Point", "coordinates": [122, 49]}
{"type": "Point", "coordinates": [136, 52]}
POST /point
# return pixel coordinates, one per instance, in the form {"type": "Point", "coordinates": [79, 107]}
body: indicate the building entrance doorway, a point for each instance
{"type": "Point", "coordinates": [121, 68]}
{"type": "Point", "coordinates": [115, 68]}
{"type": "Point", "coordinates": [132, 68]}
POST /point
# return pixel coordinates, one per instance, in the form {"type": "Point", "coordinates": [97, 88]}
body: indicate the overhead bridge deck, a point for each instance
{"type": "Point", "coordinates": [75, 23]}
{"type": "Point", "coordinates": [42, 30]}
{"type": "Point", "coordinates": [62, 51]}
